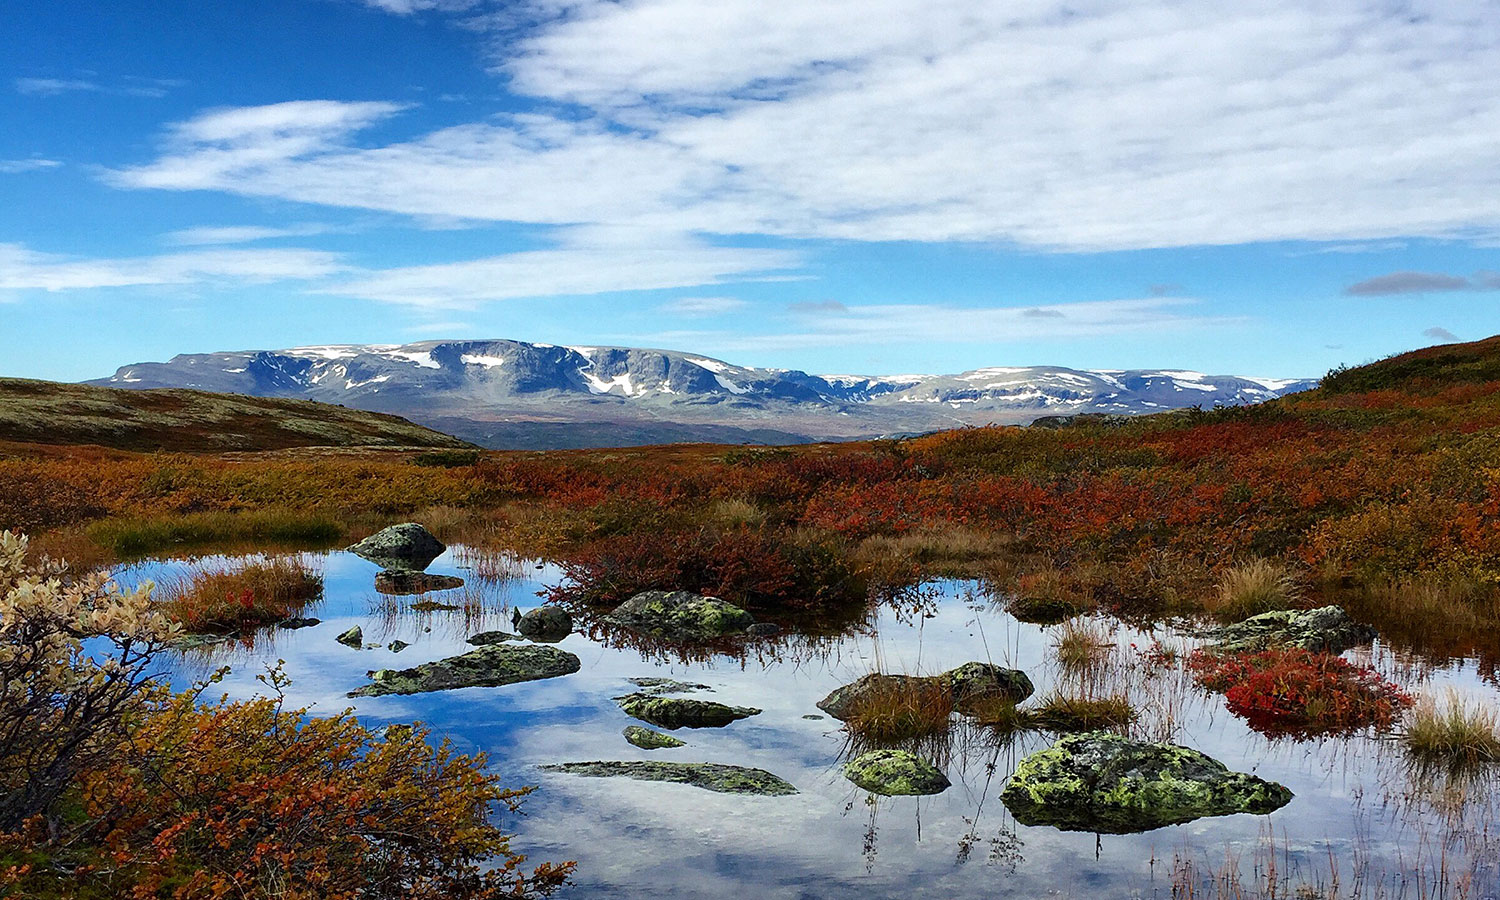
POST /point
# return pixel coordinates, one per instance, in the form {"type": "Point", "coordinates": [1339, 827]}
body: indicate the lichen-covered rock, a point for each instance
{"type": "Point", "coordinates": [681, 615]}
{"type": "Point", "coordinates": [673, 713]}
{"type": "Point", "coordinates": [1108, 784]}
{"type": "Point", "coordinates": [403, 583]}
{"type": "Point", "coordinates": [354, 637]}
{"type": "Point", "coordinates": [895, 772]}
{"type": "Point", "coordinates": [546, 623]}
{"type": "Point", "coordinates": [648, 739]}
{"type": "Point", "coordinates": [968, 684]}
{"type": "Point", "coordinates": [485, 638]}
{"type": "Point", "coordinates": [1327, 628]}
{"type": "Point", "coordinates": [490, 666]}
{"type": "Point", "coordinates": [709, 776]}
{"type": "Point", "coordinates": [658, 686]}
{"type": "Point", "coordinates": [405, 547]}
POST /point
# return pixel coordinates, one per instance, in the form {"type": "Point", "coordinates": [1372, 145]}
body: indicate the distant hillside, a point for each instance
{"type": "Point", "coordinates": [1476, 362]}
{"type": "Point", "coordinates": [193, 421]}
{"type": "Point", "coordinates": [518, 395]}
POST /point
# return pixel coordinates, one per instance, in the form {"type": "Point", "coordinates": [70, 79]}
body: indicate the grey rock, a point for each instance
{"type": "Point", "coordinates": [406, 547]}
{"type": "Point", "coordinates": [681, 615]}
{"type": "Point", "coordinates": [673, 713]}
{"type": "Point", "coordinates": [1327, 628]}
{"type": "Point", "coordinates": [895, 773]}
{"type": "Point", "coordinates": [298, 622]}
{"type": "Point", "coordinates": [968, 684]}
{"type": "Point", "coordinates": [1108, 784]}
{"type": "Point", "coordinates": [647, 739]}
{"type": "Point", "coordinates": [490, 666]}
{"type": "Point", "coordinates": [354, 637]}
{"type": "Point", "coordinates": [763, 629]}
{"type": "Point", "coordinates": [546, 623]}
{"type": "Point", "coordinates": [709, 776]}
{"type": "Point", "coordinates": [400, 582]}
{"type": "Point", "coordinates": [658, 686]}
{"type": "Point", "coordinates": [485, 638]}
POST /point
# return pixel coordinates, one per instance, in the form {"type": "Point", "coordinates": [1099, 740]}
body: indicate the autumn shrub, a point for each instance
{"type": "Point", "coordinates": [770, 571]}
{"type": "Point", "coordinates": [63, 708]}
{"type": "Point", "coordinates": [132, 537]}
{"type": "Point", "coordinates": [446, 459]}
{"type": "Point", "coordinates": [1458, 734]}
{"type": "Point", "coordinates": [1297, 692]}
{"type": "Point", "coordinates": [249, 799]}
{"type": "Point", "coordinates": [1252, 588]}
{"type": "Point", "coordinates": [244, 595]}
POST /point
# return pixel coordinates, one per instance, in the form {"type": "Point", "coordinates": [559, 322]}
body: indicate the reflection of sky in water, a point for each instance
{"type": "Point", "coordinates": [638, 839]}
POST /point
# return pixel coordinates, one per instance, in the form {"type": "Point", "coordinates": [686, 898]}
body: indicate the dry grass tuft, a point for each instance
{"type": "Point", "coordinates": [899, 710]}
{"type": "Point", "coordinates": [1082, 646]}
{"type": "Point", "coordinates": [247, 595]}
{"type": "Point", "coordinates": [1458, 733]}
{"type": "Point", "coordinates": [1253, 588]}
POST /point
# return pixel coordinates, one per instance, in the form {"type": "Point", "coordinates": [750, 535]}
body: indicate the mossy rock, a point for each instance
{"type": "Point", "coordinates": [546, 623]}
{"type": "Point", "coordinates": [407, 547]}
{"type": "Point", "coordinates": [490, 666]}
{"type": "Point", "coordinates": [659, 686]}
{"type": "Point", "coordinates": [354, 637]}
{"type": "Point", "coordinates": [1107, 784]}
{"type": "Point", "coordinates": [967, 684]}
{"type": "Point", "coordinates": [647, 739]}
{"type": "Point", "coordinates": [681, 615]}
{"type": "Point", "coordinates": [402, 583]}
{"type": "Point", "coordinates": [709, 776]}
{"type": "Point", "coordinates": [485, 638]}
{"type": "Point", "coordinates": [1326, 629]}
{"type": "Point", "coordinates": [895, 773]}
{"type": "Point", "coordinates": [673, 713]}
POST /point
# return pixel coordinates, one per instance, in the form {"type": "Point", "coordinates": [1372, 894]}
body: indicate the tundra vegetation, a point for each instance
{"type": "Point", "coordinates": [1378, 493]}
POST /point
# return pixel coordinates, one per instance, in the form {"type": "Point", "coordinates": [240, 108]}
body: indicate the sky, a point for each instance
{"type": "Point", "coordinates": [837, 186]}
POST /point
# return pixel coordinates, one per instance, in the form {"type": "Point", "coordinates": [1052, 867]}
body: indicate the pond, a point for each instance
{"type": "Point", "coordinates": [1360, 816]}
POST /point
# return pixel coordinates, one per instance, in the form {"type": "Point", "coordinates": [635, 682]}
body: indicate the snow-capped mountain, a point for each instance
{"type": "Point", "coordinates": [514, 393]}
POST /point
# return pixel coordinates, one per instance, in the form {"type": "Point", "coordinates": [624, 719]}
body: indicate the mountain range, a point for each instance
{"type": "Point", "coordinates": [515, 394]}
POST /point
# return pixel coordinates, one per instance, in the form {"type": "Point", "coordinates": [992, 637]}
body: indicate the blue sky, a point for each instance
{"type": "Point", "coordinates": [880, 186]}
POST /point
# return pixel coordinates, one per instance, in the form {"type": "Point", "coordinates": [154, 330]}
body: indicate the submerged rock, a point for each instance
{"type": "Point", "coordinates": [546, 623]}
{"type": "Point", "coordinates": [763, 629]}
{"type": "Point", "coordinates": [709, 776]}
{"type": "Point", "coordinates": [673, 713]}
{"type": "Point", "coordinates": [298, 622]}
{"type": "Point", "coordinates": [658, 686]}
{"type": "Point", "coordinates": [354, 637]}
{"type": "Point", "coordinates": [647, 739]}
{"type": "Point", "coordinates": [194, 641]}
{"type": "Point", "coordinates": [682, 615]}
{"type": "Point", "coordinates": [968, 684]}
{"type": "Point", "coordinates": [401, 582]}
{"type": "Point", "coordinates": [1108, 784]}
{"type": "Point", "coordinates": [895, 772]}
{"type": "Point", "coordinates": [486, 667]}
{"type": "Point", "coordinates": [397, 646]}
{"type": "Point", "coordinates": [406, 547]}
{"type": "Point", "coordinates": [485, 638]}
{"type": "Point", "coordinates": [1327, 628]}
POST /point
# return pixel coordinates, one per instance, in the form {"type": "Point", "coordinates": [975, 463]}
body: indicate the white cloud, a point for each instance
{"type": "Point", "coordinates": [17, 166]}
{"type": "Point", "coordinates": [588, 261]}
{"type": "Point", "coordinates": [23, 269]}
{"type": "Point", "coordinates": [883, 324]}
{"type": "Point", "coordinates": [694, 307]}
{"type": "Point", "coordinates": [1104, 125]}
{"type": "Point", "coordinates": [127, 87]}
{"type": "Point", "coordinates": [239, 234]}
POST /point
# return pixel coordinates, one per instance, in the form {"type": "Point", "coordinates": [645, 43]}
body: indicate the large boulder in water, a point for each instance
{"type": "Point", "coordinates": [1327, 628]}
{"type": "Point", "coordinates": [1108, 784]}
{"type": "Point", "coordinates": [895, 772]}
{"type": "Point", "coordinates": [489, 666]}
{"type": "Point", "coordinates": [406, 547]}
{"type": "Point", "coordinates": [681, 712]}
{"type": "Point", "coordinates": [546, 623]}
{"type": "Point", "coordinates": [968, 685]}
{"type": "Point", "coordinates": [709, 776]}
{"type": "Point", "coordinates": [681, 615]}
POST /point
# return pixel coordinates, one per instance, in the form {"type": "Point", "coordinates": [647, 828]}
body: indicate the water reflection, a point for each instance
{"type": "Point", "coordinates": [1358, 806]}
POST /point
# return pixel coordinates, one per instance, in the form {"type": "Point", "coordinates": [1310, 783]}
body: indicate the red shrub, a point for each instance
{"type": "Point", "coordinates": [1298, 692]}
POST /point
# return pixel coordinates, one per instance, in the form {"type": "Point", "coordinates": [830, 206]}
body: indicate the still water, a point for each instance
{"type": "Point", "coordinates": [1359, 815]}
